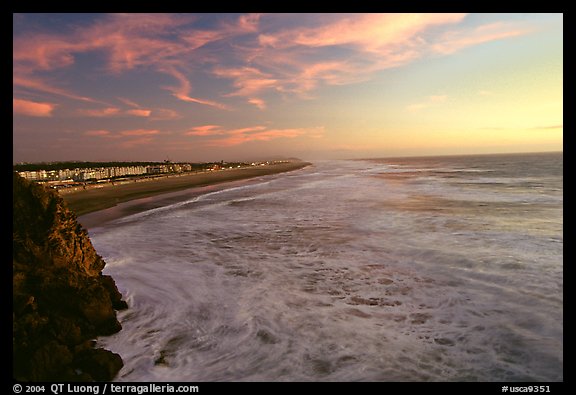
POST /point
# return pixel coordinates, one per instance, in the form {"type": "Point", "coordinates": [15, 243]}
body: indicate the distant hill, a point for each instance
{"type": "Point", "coordinates": [61, 299]}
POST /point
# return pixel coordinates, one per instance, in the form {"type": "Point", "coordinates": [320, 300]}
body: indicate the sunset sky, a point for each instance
{"type": "Point", "coordinates": [207, 87]}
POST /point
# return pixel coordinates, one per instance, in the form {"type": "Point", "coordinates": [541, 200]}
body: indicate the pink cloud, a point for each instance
{"type": "Point", "coordinates": [370, 42]}
{"type": "Point", "coordinates": [205, 130]}
{"type": "Point", "coordinates": [454, 41]}
{"type": "Point", "coordinates": [128, 40]}
{"type": "Point", "coordinates": [102, 112]}
{"type": "Point", "coordinates": [369, 32]}
{"type": "Point", "coordinates": [245, 24]}
{"type": "Point", "coordinates": [257, 53]}
{"type": "Point", "coordinates": [134, 40]}
{"type": "Point", "coordinates": [44, 52]}
{"type": "Point", "coordinates": [182, 91]}
{"type": "Point", "coordinates": [129, 102]}
{"type": "Point", "coordinates": [199, 38]}
{"type": "Point", "coordinates": [164, 114]}
{"type": "Point", "coordinates": [32, 109]}
{"type": "Point", "coordinates": [221, 137]}
{"type": "Point", "coordinates": [261, 104]}
{"type": "Point", "coordinates": [139, 112]}
{"type": "Point", "coordinates": [260, 133]}
{"type": "Point", "coordinates": [244, 131]}
{"type": "Point", "coordinates": [156, 114]}
{"type": "Point", "coordinates": [114, 112]}
{"type": "Point", "coordinates": [328, 73]}
{"type": "Point", "coordinates": [98, 133]}
{"type": "Point", "coordinates": [249, 82]}
{"type": "Point", "coordinates": [210, 103]}
{"type": "Point", "coordinates": [249, 23]}
{"type": "Point", "coordinates": [37, 84]}
{"type": "Point", "coordinates": [126, 137]}
{"type": "Point", "coordinates": [156, 41]}
{"type": "Point", "coordinates": [139, 132]}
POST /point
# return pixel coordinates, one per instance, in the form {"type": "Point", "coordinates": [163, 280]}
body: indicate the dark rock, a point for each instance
{"type": "Point", "coordinates": [100, 364]}
{"type": "Point", "coordinates": [47, 361]}
{"type": "Point", "coordinates": [61, 300]}
{"type": "Point", "coordinates": [115, 295]}
{"type": "Point", "coordinates": [96, 307]}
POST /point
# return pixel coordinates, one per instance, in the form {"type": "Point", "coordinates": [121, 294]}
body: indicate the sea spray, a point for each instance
{"type": "Point", "coordinates": [385, 270]}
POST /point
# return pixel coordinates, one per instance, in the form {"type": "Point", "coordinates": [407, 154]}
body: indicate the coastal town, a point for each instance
{"type": "Point", "coordinates": [72, 176]}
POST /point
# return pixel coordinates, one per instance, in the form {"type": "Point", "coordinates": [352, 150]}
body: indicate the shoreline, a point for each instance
{"type": "Point", "coordinates": [93, 207]}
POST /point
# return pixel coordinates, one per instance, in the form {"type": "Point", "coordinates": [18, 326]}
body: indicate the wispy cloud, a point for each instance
{"type": "Point", "coordinates": [258, 134]}
{"type": "Point", "coordinates": [114, 112]}
{"type": "Point", "coordinates": [155, 114]}
{"type": "Point", "coordinates": [126, 139]}
{"type": "Point", "coordinates": [98, 133]}
{"type": "Point", "coordinates": [100, 112]}
{"type": "Point", "coordinates": [340, 49]}
{"type": "Point", "coordinates": [367, 42]}
{"type": "Point", "coordinates": [548, 127]}
{"type": "Point", "coordinates": [249, 83]}
{"type": "Point", "coordinates": [208, 135]}
{"type": "Point", "coordinates": [139, 112]}
{"type": "Point", "coordinates": [129, 40]}
{"type": "Point", "coordinates": [139, 132]}
{"type": "Point", "coordinates": [367, 32]}
{"type": "Point", "coordinates": [122, 133]}
{"type": "Point", "coordinates": [129, 103]}
{"type": "Point", "coordinates": [205, 102]}
{"type": "Point", "coordinates": [261, 104]}
{"type": "Point", "coordinates": [223, 137]}
{"type": "Point", "coordinates": [456, 40]}
{"type": "Point", "coordinates": [205, 130]}
{"type": "Point", "coordinates": [164, 114]}
{"type": "Point", "coordinates": [260, 54]}
{"type": "Point", "coordinates": [32, 109]}
{"type": "Point", "coordinates": [534, 128]}
{"type": "Point", "coordinates": [37, 84]}
{"type": "Point", "coordinates": [182, 91]}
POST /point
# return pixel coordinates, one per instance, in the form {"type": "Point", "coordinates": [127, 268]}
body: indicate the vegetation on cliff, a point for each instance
{"type": "Point", "coordinates": [61, 299]}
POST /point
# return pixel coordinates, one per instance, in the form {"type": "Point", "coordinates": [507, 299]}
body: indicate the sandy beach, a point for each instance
{"type": "Point", "coordinates": [97, 205]}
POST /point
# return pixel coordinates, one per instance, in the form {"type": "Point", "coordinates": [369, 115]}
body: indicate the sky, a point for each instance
{"type": "Point", "coordinates": [210, 87]}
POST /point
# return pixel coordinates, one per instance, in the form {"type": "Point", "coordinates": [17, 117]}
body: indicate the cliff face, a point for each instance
{"type": "Point", "coordinates": [61, 300]}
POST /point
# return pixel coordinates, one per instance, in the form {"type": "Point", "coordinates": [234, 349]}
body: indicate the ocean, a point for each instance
{"type": "Point", "coordinates": [407, 269]}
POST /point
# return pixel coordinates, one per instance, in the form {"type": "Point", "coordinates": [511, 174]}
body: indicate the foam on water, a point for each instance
{"type": "Point", "coordinates": [337, 272]}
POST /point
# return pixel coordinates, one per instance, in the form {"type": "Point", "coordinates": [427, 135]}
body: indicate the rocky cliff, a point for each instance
{"type": "Point", "coordinates": [61, 299]}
